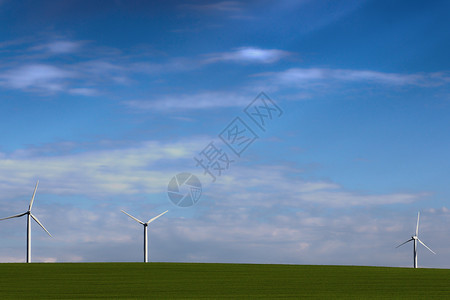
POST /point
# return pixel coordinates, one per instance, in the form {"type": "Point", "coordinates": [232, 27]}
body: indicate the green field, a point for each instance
{"type": "Point", "coordinates": [184, 280]}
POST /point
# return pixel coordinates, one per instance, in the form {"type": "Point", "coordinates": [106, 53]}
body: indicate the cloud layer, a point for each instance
{"type": "Point", "coordinates": [251, 214]}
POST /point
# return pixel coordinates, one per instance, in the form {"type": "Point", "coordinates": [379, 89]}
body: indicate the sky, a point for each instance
{"type": "Point", "coordinates": [317, 130]}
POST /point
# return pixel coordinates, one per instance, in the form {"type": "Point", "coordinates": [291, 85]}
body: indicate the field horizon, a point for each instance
{"type": "Point", "coordinates": [217, 280]}
{"type": "Point", "coordinates": [214, 263]}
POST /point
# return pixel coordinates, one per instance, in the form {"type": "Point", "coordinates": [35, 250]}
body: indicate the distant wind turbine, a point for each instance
{"type": "Point", "coordinates": [415, 238]}
{"type": "Point", "coordinates": [145, 231]}
{"type": "Point", "coordinates": [29, 216]}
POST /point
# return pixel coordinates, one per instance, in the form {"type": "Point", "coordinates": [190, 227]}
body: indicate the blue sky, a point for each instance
{"type": "Point", "coordinates": [105, 101]}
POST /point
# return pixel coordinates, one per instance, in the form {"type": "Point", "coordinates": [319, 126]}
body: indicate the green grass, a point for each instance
{"type": "Point", "coordinates": [183, 280]}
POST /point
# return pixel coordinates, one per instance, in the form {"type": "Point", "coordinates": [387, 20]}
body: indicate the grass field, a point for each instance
{"type": "Point", "coordinates": [184, 280]}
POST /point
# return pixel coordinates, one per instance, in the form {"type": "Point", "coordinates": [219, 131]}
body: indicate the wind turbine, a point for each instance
{"type": "Point", "coordinates": [145, 230]}
{"type": "Point", "coordinates": [416, 239]}
{"type": "Point", "coordinates": [29, 216]}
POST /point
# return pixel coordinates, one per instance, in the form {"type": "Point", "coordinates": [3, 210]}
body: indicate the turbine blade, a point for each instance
{"type": "Point", "coordinates": [137, 220]}
{"type": "Point", "coordinates": [153, 219]}
{"type": "Point", "coordinates": [37, 221]}
{"type": "Point", "coordinates": [405, 242]}
{"type": "Point", "coordinates": [426, 246]}
{"type": "Point", "coordinates": [417, 226]}
{"type": "Point", "coordinates": [15, 216]}
{"type": "Point", "coordinates": [32, 198]}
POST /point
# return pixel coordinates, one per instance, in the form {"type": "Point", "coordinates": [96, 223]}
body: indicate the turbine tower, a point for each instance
{"type": "Point", "coordinates": [145, 231]}
{"type": "Point", "coordinates": [29, 216]}
{"type": "Point", "coordinates": [416, 239]}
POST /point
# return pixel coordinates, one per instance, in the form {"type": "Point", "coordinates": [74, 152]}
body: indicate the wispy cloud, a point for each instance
{"type": "Point", "coordinates": [37, 70]}
{"type": "Point", "coordinates": [301, 75]}
{"type": "Point", "coordinates": [343, 198]}
{"type": "Point", "coordinates": [204, 100]}
{"type": "Point", "coordinates": [147, 167]}
{"type": "Point", "coordinates": [248, 55]}
{"type": "Point", "coordinates": [273, 182]}
{"type": "Point", "coordinates": [222, 6]}
{"type": "Point", "coordinates": [60, 46]}
{"type": "Point", "coordinates": [63, 47]}
{"type": "Point", "coordinates": [86, 78]}
{"type": "Point", "coordinates": [91, 70]}
{"type": "Point", "coordinates": [15, 42]}
{"type": "Point", "coordinates": [36, 76]}
{"type": "Point", "coordinates": [175, 64]}
{"type": "Point", "coordinates": [83, 91]}
{"type": "Point", "coordinates": [99, 172]}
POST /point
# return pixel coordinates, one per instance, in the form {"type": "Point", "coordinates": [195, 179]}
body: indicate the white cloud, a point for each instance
{"type": "Point", "coordinates": [62, 47]}
{"type": "Point", "coordinates": [65, 78]}
{"type": "Point", "coordinates": [36, 76]}
{"type": "Point", "coordinates": [94, 69]}
{"type": "Point", "coordinates": [99, 67]}
{"type": "Point", "coordinates": [85, 74]}
{"type": "Point", "coordinates": [222, 6]}
{"type": "Point", "coordinates": [102, 172]}
{"type": "Point", "coordinates": [175, 64]}
{"type": "Point", "coordinates": [297, 76]}
{"type": "Point", "coordinates": [230, 9]}
{"type": "Point", "coordinates": [342, 198]}
{"type": "Point", "coordinates": [257, 185]}
{"type": "Point", "coordinates": [248, 55]}
{"type": "Point", "coordinates": [83, 91]}
{"type": "Point", "coordinates": [204, 100]}
{"type": "Point", "coordinates": [147, 168]}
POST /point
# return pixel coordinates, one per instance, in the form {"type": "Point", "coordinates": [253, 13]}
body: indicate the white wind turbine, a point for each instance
{"type": "Point", "coordinates": [416, 239]}
{"type": "Point", "coordinates": [145, 231]}
{"type": "Point", "coordinates": [29, 216]}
